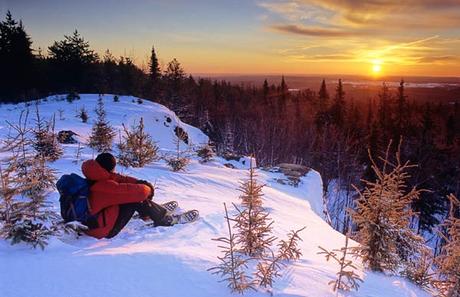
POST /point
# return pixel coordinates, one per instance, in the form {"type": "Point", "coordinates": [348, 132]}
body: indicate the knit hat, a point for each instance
{"type": "Point", "coordinates": [107, 161]}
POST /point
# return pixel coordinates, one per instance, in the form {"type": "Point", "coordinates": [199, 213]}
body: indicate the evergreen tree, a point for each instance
{"type": "Point", "coordinates": [16, 61]}
{"type": "Point", "coordinates": [72, 60]}
{"type": "Point", "coordinates": [449, 259]}
{"type": "Point", "coordinates": [154, 74]}
{"type": "Point", "coordinates": [266, 90]}
{"type": "Point", "coordinates": [323, 97]}
{"type": "Point", "coordinates": [102, 134]}
{"type": "Point", "coordinates": [31, 219]}
{"type": "Point", "coordinates": [233, 265]}
{"type": "Point", "coordinates": [137, 147]}
{"type": "Point", "coordinates": [205, 153]}
{"type": "Point", "coordinates": [322, 116]}
{"type": "Point", "coordinates": [289, 249]}
{"type": "Point", "coordinates": [228, 150]}
{"type": "Point", "coordinates": [401, 112]}
{"type": "Point", "coordinates": [284, 93]}
{"type": "Point", "coordinates": [450, 130]}
{"type": "Point", "coordinates": [174, 76]}
{"type": "Point", "coordinates": [154, 67]}
{"type": "Point", "coordinates": [45, 142]}
{"type": "Point", "coordinates": [83, 115]}
{"type": "Point", "coordinates": [385, 113]}
{"type": "Point", "coordinates": [252, 222]}
{"type": "Point", "coordinates": [179, 160]}
{"type": "Point", "coordinates": [338, 107]}
{"type": "Point", "coordinates": [383, 214]}
{"type": "Point", "coordinates": [347, 279]}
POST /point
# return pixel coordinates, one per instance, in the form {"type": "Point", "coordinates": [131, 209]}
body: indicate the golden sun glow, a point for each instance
{"type": "Point", "coordinates": [376, 68]}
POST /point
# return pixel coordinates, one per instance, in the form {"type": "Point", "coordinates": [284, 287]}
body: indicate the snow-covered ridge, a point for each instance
{"type": "Point", "coordinates": [172, 261]}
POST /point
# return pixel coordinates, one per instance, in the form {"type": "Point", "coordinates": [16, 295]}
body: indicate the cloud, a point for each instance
{"type": "Point", "coordinates": [312, 31]}
{"type": "Point", "coordinates": [375, 16]}
{"type": "Point", "coordinates": [437, 59]}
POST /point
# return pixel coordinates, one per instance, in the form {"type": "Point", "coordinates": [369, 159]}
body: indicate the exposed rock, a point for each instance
{"type": "Point", "coordinates": [181, 134]}
{"type": "Point", "coordinates": [229, 165]}
{"type": "Point", "coordinates": [66, 137]}
{"type": "Point", "coordinates": [293, 172]}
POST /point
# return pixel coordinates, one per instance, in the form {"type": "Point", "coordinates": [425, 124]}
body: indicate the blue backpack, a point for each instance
{"type": "Point", "coordinates": [74, 200]}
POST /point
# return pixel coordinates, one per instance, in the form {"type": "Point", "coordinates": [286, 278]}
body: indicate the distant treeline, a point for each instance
{"type": "Point", "coordinates": [324, 130]}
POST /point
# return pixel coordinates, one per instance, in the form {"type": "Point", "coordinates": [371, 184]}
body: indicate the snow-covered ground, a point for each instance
{"type": "Point", "coordinates": [173, 261]}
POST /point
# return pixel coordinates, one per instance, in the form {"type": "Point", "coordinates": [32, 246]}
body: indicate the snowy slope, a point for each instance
{"type": "Point", "coordinates": [172, 261]}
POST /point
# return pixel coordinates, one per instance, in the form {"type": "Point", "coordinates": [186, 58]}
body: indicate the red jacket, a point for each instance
{"type": "Point", "coordinates": [109, 191]}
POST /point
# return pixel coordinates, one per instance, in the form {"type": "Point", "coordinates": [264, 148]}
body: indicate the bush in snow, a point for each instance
{"type": "Point", "coordinates": [45, 141]}
{"type": "Point", "coordinates": [137, 147]}
{"type": "Point", "coordinates": [383, 214]}
{"type": "Point", "coordinates": [83, 115]}
{"type": "Point", "coordinates": [116, 98]}
{"type": "Point", "coordinates": [205, 153]}
{"type": "Point", "coordinates": [102, 133]}
{"type": "Point", "coordinates": [347, 279]}
{"type": "Point", "coordinates": [448, 261]}
{"type": "Point", "coordinates": [140, 101]}
{"type": "Point", "coordinates": [179, 160]}
{"type": "Point", "coordinates": [72, 96]}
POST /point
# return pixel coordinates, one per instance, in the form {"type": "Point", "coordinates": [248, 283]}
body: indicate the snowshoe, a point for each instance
{"type": "Point", "coordinates": [170, 206]}
{"type": "Point", "coordinates": [181, 218]}
{"type": "Point", "coordinates": [185, 217]}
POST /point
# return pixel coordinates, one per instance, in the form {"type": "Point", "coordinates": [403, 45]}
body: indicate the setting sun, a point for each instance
{"type": "Point", "coordinates": [376, 68]}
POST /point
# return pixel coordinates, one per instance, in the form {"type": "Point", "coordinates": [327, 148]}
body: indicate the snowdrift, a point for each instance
{"type": "Point", "coordinates": [172, 261]}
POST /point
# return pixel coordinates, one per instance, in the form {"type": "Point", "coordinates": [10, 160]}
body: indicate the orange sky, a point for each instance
{"type": "Point", "coordinates": [406, 37]}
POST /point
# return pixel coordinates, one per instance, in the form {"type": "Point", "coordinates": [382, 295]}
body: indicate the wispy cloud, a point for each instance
{"type": "Point", "coordinates": [312, 31]}
{"type": "Point", "coordinates": [409, 32]}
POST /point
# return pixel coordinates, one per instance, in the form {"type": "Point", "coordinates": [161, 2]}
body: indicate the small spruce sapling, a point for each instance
{"type": "Point", "coordinates": [346, 279]}
{"type": "Point", "coordinates": [253, 240]}
{"type": "Point", "coordinates": [383, 214]}
{"type": "Point", "coordinates": [289, 249]}
{"type": "Point", "coordinates": [448, 261]}
{"type": "Point", "coordinates": [137, 147]}
{"type": "Point", "coordinates": [10, 209]}
{"type": "Point", "coordinates": [233, 264]}
{"type": "Point", "coordinates": [179, 161]}
{"type": "Point", "coordinates": [252, 221]}
{"type": "Point", "coordinates": [28, 220]}
{"type": "Point", "coordinates": [45, 142]}
{"type": "Point", "coordinates": [83, 115]}
{"type": "Point", "coordinates": [102, 134]}
{"type": "Point", "coordinates": [205, 153]}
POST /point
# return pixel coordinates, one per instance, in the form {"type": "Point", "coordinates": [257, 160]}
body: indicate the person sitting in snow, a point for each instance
{"type": "Point", "coordinates": [114, 198]}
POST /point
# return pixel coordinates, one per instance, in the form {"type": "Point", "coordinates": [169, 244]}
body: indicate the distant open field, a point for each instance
{"type": "Point", "coordinates": [439, 89]}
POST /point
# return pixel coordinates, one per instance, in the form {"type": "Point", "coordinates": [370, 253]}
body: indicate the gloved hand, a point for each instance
{"type": "Point", "coordinates": [152, 189]}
